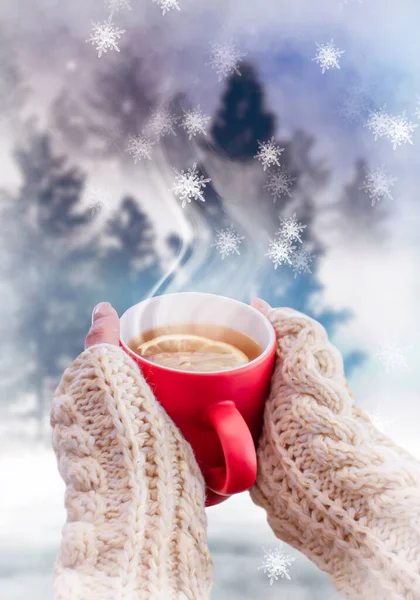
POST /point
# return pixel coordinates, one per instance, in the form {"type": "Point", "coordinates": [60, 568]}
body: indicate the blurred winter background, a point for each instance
{"type": "Point", "coordinates": [211, 149]}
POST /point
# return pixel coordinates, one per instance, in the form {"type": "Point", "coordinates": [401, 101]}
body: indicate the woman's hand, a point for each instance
{"type": "Point", "coordinates": [135, 496]}
{"type": "Point", "coordinates": [105, 326]}
{"type": "Point", "coordinates": [333, 486]}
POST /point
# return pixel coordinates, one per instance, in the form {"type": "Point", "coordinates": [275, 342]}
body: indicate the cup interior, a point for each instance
{"type": "Point", "coordinates": [196, 307]}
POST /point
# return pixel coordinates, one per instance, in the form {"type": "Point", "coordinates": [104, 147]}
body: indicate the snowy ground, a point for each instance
{"type": "Point", "coordinates": [32, 514]}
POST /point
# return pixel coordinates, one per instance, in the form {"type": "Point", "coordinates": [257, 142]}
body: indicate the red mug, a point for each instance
{"type": "Point", "coordinates": [220, 413]}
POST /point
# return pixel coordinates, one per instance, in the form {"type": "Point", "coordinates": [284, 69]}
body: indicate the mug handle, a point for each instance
{"type": "Point", "coordinates": [240, 470]}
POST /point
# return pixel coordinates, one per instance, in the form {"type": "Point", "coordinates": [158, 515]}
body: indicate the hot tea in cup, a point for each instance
{"type": "Point", "coordinates": [208, 360]}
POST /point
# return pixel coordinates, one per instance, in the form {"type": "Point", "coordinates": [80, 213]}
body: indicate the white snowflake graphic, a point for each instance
{"type": "Point", "coordinates": [189, 184]}
{"type": "Point", "coordinates": [117, 5]}
{"type": "Point", "coordinates": [400, 130]}
{"type": "Point", "coordinates": [269, 153]}
{"type": "Point", "coordinates": [279, 183]}
{"type": "Point", "coordinates": [301, 261]}
{"type": "Point", "coordinates": [397, 128]}
{"type": "Point", "coordinates": [227, 241]}
{"type": "Point", "coordinates": [283, 250]}
{"type": "Point", "coordinates": [161, 123]}
{"type": "Point", "coordinates": [225, 58]}
{"type": "Point", "coordinates": [391, 356]}
{"type": "Point", "coordinates": [378, 184]}
{"type": "Point", "coordinates": [280, 251]}
{"type": "Point", "coordinates": [378, 123]}
{"type": "Point", "coordinates": [105, 36]}
{"type": "Point", "coordinates": [381, 423]}
{"type": "Point", "coordinates": [291, 228]}
{"type": "Point", "coordinates": [328, 56]}
{"type": "Point", "coordinates": [139, 147]}
{"type": "Point", "coordinates": [167, 5]}
{"type": "Point", "coordinates": [195, 122]}
{"type": "Point", "coordinates": [276, 563]}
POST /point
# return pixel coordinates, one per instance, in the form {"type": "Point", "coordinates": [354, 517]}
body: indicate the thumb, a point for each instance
{"type": "Point", "coordinates": [105, 326]}
{"type": "Point", "coordinates": [260, 305]}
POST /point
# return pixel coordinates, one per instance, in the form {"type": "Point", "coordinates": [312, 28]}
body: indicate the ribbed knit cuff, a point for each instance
{"type": "Point", "coordinates": [135, 500]}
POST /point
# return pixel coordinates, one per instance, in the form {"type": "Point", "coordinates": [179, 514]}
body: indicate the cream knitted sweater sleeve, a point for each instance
{"type": "Point", "coordinates": [333, 486]}
{"type": "Point", "coordinates": [136, 522]}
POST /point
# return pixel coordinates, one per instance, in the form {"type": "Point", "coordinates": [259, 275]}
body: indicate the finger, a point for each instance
{"type": "Point", "coordinates": [260, 305]}
{"type": "Point", "coordinates": [105, 326]}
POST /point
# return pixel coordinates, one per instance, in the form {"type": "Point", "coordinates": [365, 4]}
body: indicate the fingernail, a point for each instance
{"type": "Point", "coordinates": [101, 310]}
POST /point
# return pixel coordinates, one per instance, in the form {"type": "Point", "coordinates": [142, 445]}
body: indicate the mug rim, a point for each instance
{"type": "Point", "coordinates": [249, 365]}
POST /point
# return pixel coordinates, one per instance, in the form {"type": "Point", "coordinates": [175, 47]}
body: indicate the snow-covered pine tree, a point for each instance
{"type": "Point", "coordinates": [123, 96]}
{"type": "Point", "coordinates": [240, 185]}
{"type": "Point", "coordinates": [240, 123]}
{"type": "Point", "coordinates": [129, 261]}
{"type": "Point", "coordinates": [242, 119]}
{"type": "Point", "coordinates": [48, 268]}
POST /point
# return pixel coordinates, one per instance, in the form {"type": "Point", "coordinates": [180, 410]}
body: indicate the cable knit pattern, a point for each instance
{"type": "Point", "coordinates": [136, 523]}
{"type": "Point", "coordinates": [333, 486]}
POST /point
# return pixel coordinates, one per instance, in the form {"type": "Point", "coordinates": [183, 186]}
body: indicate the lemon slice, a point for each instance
{"type": "Point", "coordinates": [192, 352]}
{"type": "Point", "coordinates": [180, 342]}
